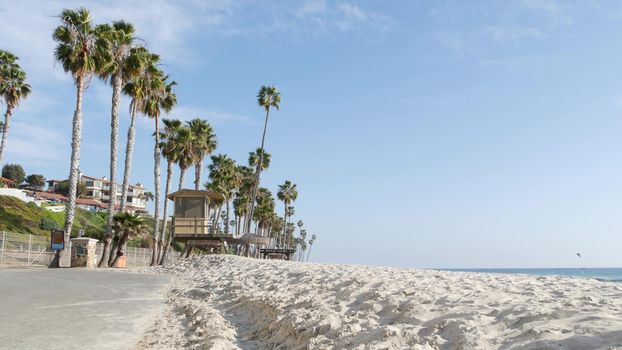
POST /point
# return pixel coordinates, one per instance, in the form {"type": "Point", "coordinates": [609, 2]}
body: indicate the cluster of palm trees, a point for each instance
{"type": "Point", "coordinates": [112, 53]}
{"type": "Point", "coordinates": [184, 144]}
{"type": "Point", "coordinates": [13, 88]}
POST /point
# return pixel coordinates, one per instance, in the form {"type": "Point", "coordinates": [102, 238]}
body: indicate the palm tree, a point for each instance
{"type": "Point", "coordinates": [13, 89]}
{"type": "Point", "coordinates": [185, 158]}
{"type": "Point", "coordinates": [253, 159]}
{"type": "Point", "coordinates": [267, 97]}
{"type": "Point", "coordinates": [203, 144]}
{"type": "Point", "coordinates": [244, 192]}
{"type": "Point", "coordinates": [265, 210]}
{"type": "Point", "coordinates": [141, 69]}
{"type": "Point", "coordinates": [119, 39]}
{"type": "Point", "coordinates": [311, 241]}
{"type": "Point", "coordinates": [240, 210]}
{"type": "Point", "coordinates": [160, 97]}
{"type": "Point", "coordinates": [226, 179]}
{"type": "Point", "coordinates": [127, 224]}
{"type": "Point", "coordinates": [287, 193]}
{"type": "Point", "coordinates": [302, 243]}
{"type": "Point", "coordinates": [148, 196]}
{"type": "Point", "coordinates": [216, 187]}
{"type": "Point", "coordinates": [7, 58]}
{"type": "Point", "coordinates": [170, 151]}
{"type": "Point", "coordinates": [80, 52]}
{"type": "Point", "coordinates": [299, 224]}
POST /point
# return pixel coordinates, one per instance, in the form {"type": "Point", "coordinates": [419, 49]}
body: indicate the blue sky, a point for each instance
{"type": "Point", "coordinates": [420, 134]}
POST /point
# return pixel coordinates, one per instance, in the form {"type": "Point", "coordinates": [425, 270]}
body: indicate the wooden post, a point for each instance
{"type": "Point", "coordinates": [2, 250]}
{"type": "Point", "coordinates": [29, 246]}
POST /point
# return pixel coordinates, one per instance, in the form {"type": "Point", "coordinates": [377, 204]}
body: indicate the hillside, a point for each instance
{"type": "Point", "coordinates": [20, 217]}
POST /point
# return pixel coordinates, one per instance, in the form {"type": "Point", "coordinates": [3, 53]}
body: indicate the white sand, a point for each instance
{"type": "Point", "coordinates": [229, 302]}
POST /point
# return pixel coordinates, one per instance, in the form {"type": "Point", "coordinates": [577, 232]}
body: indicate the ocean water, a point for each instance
{"type": "Point", "coordinates": [601, 274]}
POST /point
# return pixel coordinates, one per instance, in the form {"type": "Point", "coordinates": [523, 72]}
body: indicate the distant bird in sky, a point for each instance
{"type": "Point", "coordinates": [579, 255]}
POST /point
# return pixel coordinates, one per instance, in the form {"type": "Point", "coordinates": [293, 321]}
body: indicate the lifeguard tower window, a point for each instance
{"type": "Point", "coordinates": [186, 207]}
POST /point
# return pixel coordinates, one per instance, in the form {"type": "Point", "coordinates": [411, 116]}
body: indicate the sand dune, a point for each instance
{"type": "Point", "coordinates": [230, 302]}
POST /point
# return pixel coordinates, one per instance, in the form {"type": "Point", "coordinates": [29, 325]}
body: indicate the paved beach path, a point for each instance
{"type": "Point", "coordinates": [77, 308]}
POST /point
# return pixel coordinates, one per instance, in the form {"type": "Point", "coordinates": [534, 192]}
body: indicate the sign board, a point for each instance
{"type": "Point", "coordinates": [58, 240]}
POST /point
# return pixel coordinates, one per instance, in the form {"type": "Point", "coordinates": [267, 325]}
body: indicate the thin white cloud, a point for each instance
{"type": "Point", "coordinates": [513, 33]}
{"type": "Point", "coordinates": [214, 117]}
{"type": "Point", "coordinates": [35, 144]}
{"type": "Point", "coordinates": [326, 16]}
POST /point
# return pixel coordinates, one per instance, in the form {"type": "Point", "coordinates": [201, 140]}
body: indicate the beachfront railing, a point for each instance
{"type": "Point", "coordinates": [18, 249]}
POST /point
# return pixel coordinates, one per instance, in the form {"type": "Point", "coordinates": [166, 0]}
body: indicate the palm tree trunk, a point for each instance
{"type": "Point", "coordinates": [5, 130]}
{"type": "Point", "coordinates": [113, 250]}
{"type": "Point", "coordinates": [258, 171]}
{"type": "Point", "coordinates": [114, 135]}
{"type": "Point", "coordinates": [74, 172]}
{"type": "Point", "coordinates": [182, 174]}
{"type": "Point", "coordinates": [216, 219]}
{"type": "Point", "coordinates": [129, 150]}
{"type": "Point", "coordinates": [121, 249]}
{"type": "Point", "coordinates": [169, 175]}
{"type": "Point", "coordinates": [309, 253]}
{"type": "Point", "coordinates": [156, 176]}
{"type": "Point", "coordinates": [284, 223]}
{"type": "Point", "coordinates": [198, 166]}
{"type": "Point", "coordinates": [227, 223]}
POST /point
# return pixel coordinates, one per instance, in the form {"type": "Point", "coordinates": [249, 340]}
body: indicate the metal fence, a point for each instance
{"type": "Point", "coordinates": [30, 250]}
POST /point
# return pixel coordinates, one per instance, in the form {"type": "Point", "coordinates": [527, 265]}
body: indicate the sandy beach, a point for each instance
{"type": "Point", "coordinates": [230, 302]}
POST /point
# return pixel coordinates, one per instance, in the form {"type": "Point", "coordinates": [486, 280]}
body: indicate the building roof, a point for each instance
{"type": "Point", "coordinates": [85, 201]}
{"type": "Point", "coordinates": [196, 193]}
{"type": "Point", "coordinates": [7, 182]}
{"type": "Point", "coordinates": [102, 205]}
{"type": "Point", "coordinates": [51, 196]}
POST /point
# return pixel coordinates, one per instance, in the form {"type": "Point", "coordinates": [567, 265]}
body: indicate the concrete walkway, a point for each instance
{"type": "Point", "coordinates": [76, 308]}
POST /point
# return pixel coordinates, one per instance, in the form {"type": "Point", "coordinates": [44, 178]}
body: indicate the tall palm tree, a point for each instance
{"type": "Point", "coordinates": [119, 38]}
{"type": "Point", "coordinates": [203, 144]}
{"type": "Point", "coordinates": [160, 98]}
{"type": "Point", "coordinates": [13, 89]}
{"type": "Point", "coordinates": [141, 69]}
{"type": "Point", "coordinates": [138, 68]}
{"type": "Point", "coordinates": [127, 224]}
{"type": "Point", "coordinates": [287, 193]}
{"type": "Point", "coordinates": [169, 139]}
{"type": "Point", "coordinates": [267, 98]}
{"type": "Point", "coordinates": [80, 52]}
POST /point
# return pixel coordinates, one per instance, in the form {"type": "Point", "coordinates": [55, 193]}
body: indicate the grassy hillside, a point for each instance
{"type": "Point", "coordinates": [20, 217]}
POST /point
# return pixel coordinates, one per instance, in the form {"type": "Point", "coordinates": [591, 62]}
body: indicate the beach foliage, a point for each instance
{"type": "Point", "coordinates": [14, 172]}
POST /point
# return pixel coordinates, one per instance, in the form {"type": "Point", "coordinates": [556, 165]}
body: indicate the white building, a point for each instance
{"type": "Point", "coordinates": [98, 189]}
{"type": "Point", "coordinates": [97, 195]}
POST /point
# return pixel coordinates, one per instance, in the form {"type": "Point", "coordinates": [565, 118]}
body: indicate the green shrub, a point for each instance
{"type": "Point", "coordinates": [48, 224]}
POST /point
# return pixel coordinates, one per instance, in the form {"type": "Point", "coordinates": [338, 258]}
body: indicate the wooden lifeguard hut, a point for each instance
{"type": "Point", "coordinates": [192, 224]}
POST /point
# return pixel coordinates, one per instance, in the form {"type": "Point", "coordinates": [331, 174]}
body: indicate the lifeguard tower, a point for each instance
{"type": "Point", "coordinates": [192, 224]}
